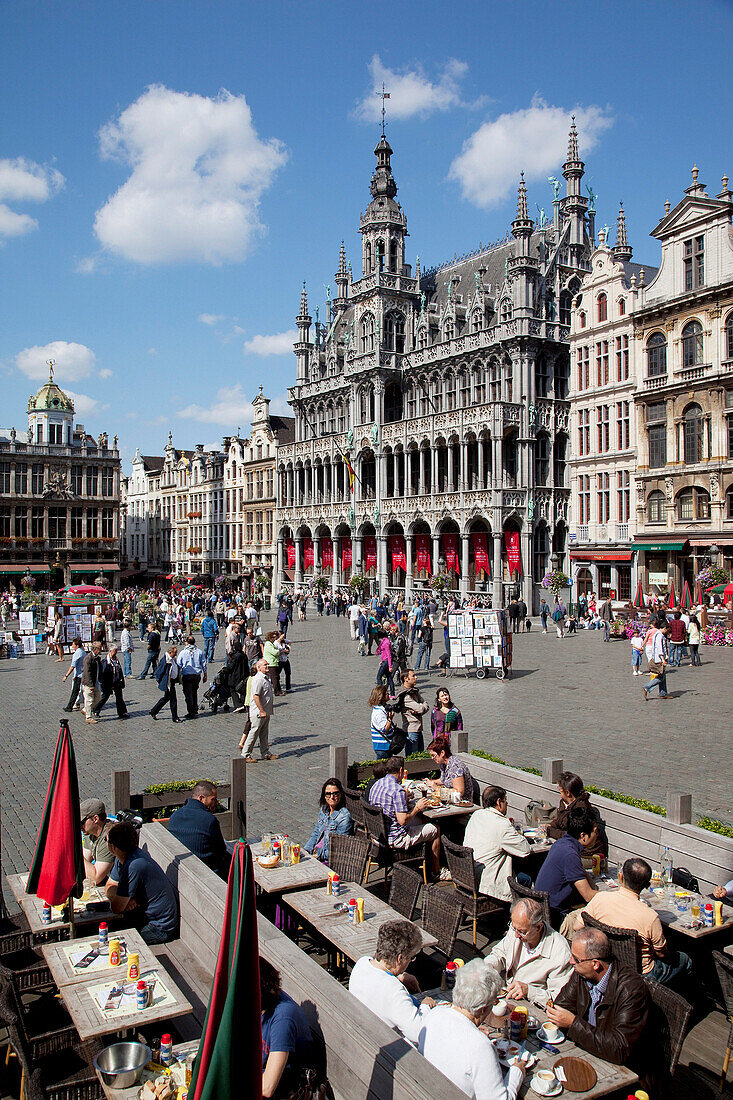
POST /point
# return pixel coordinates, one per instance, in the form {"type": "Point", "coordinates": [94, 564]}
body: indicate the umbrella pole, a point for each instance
{"type": "Point", "coordinates": [72, 926]}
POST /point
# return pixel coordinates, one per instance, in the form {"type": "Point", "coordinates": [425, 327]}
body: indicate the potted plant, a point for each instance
{"type": "Point", "coordinates": [555, 580]}
{"type": "Point", "coordinates": [357, 582]}
{"type": "Point", "coordinates": [711, 576]}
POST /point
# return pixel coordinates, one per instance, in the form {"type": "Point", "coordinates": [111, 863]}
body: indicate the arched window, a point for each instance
{"type": "Point", "coordinates": [366, 404]}
{"type": "Point", "coordinates": [542, 376]}
{"type": "Point", "coordinates": [602, 307]}
{"type": "Point", "coordinates": [622, 307]}
{"type": "Point", "coordinates": [582, 318]}
{"type": "Point", "coordinates": [729, 503]}
{"type": "Point", "coordinates": [422, 337]}
{"type": "Point", "coordinates": [479, 385]}
{"type": "Point", "coordinates": [380, 255]}
{"type": "Point", "coordinates": [410, 401]}
{"type": "Point", "coordinates": [506, 310]}
{"type": "Point", "coordinates": [464, 381]}
{"type": "Point", "coordinates": [729, 337]}
{"type": "Point", "coordinates": [367, 333]}
{"type": "Point", "coordinates": [693, 503]}
{"type": "Point", "coordinates": [656, 354]}
{"type": "Point", "coordinates": [692, 432]}
{"type": "Point", "coordinates": [477, 321]}
{"type": "Point", "coordinates": [542, 459]}
{"type": "Point", "coordinates": [450, 392]}
{"type": "Point", "coordinates": [656, 507]}
{"type": "Point", "coordinates": [393, 255]}
{"type": "Point", "coordinates": [495, 380]}
{"type": "Point", "coordinates": [395, 332]}
{"type": "Point", "coordinates": [566, 302]}
{"type": "Point", "coordinates": [692, 344]}
{"type": "Point", "coordinates": [448, 329]}
{"type": "Point", "coordinates": [367, 257]}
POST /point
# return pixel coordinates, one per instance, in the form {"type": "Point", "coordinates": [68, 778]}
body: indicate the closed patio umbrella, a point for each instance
{"type": "Point", "coordinates": [686, 597]}
{"type": "Point", "coordinates": [229, 1060]}
{"type": "Point", "coordinates": [672, 597]}
{"type": "Point", "coordinates": [698, 594]}
{"type": "Point", "coordinates": [57, 868]}
{"type": "Point", "coordinates": [639, 597]}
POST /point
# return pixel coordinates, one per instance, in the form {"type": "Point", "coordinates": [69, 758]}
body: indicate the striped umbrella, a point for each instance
{"type": "Point", "coordinates": [698, 594]}
{"type": "Point", "coordinates": [57, 868]}
{"type": "Point", "coordinates": [232, 1027]}
{"type": "Point", "coordinates": [672, 598]}
{"type": "Point", "coordinates": [686, 597]}
{"type": "Point", "coordinates": [639, 597]}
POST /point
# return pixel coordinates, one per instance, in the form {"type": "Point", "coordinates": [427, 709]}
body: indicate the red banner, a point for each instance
{"type": "Point", "coordinates": [422, 548]}
{"type": "Point", "coordinates": [326, 552]}
{"type": "Point", "coordinates": [307, 553]}
{"type": "Point", "coordinates": [397, 549]}
{"type": "Point", "coordinates": [450, 549]}
{"type": "Point", "coordinates": [370, 552]}
{"type": "Point", "coordinates": [345, 552]}
{"type": "Point", "coordinates": [290, 550]}
{"type": "Point", "coordinates": [480, 552]}
{"type": "Point", "coordinates": [513, 555]}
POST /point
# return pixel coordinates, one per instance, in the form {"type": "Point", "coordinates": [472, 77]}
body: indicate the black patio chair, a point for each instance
{"type": "Point", "coordinates": [724, 967]}
{"type": "Point", "coordinates": [441, 916]}
{"type": "Point", "coordinates": [404, 890]}
{"type": "Point", "coordinates": [625, 942]}
{"type": "Point", "coordinates": [669, 1019]}
{"type": "Point", "coordinates": [347, 856]}
{"type": "Point", "coordinates": [465, 876]}
{"type": "Point", "coordinates": [377, 827]}
{"type": "Point", "coordinates": [520, 891]}
{"type": "Point", "coordinates": [354, 806]}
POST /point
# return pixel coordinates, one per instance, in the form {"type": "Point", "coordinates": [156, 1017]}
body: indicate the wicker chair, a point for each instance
{"type": "Point", "coordinates": [465, 877]}
{"type": "Point", "coordinates": [441, 917]}
{"type": "Point", "coordinates": [377, 827]}
{"type": "Point", "coordinates": [625, 942]}
{"type": "Point", "coordinates": [724, 967]}
{"type": "Point", "coordinates": [354, 803]}
{"type": "Point", "coordinates": [669, 1017]}
{"type": "Point", "coordinates": [520, 891]}
{"type": "Point", "coordinates": [347, 856]}
{"type": "Point", "coordinates": [404, 890]}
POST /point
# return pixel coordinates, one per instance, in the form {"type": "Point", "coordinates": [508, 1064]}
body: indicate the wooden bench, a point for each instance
{"type": "Point", "coordinates": [366, 1059]}
{"type": "Point", "coordinates": [631, 831]}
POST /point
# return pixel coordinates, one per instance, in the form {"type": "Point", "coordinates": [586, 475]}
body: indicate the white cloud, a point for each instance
{"type": "Point", "coordinates": [84, 405]}
{"type": "Point", "coordinates": [86, 265]}
{"type": "Point", "coordinates": [24, 181]}
{"type": "Point", "coordinates": [106, 373]}
{"type": "Point", "coordinates": [280, 343]}
{"type": "Point", "coordinates": [533, 140]}
{"type": "Point", "coordinates": [71, 361]}
{"type": "Point", "coordinates": [279, 405]}
{"type": "Point", "coordinates": [199, 170]}
{"type": "Point", "coordinates": [211, 318]}
{"type": "Point", "coordinates": [231, 407]}
{"type": "Point", "coordinates": [411, 92]}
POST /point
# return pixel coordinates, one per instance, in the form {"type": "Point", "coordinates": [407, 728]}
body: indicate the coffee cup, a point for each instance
{"type": "Point", "coordinates": [500, 1008]}
{"type": "Point", "coordinates": [544, 1081]}
{"type": "Point", "coordinates": [552, 1031]}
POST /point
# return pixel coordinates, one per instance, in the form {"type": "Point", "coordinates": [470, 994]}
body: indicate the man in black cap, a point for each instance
{"type": "Point", "coordinates": [98, 859]}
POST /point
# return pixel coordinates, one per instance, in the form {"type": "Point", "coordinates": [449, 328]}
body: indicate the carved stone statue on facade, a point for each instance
{"type": "Point", "coordinates": [715, 486]}
{"type": "Point", "coordinates": [669, 489]}
{"type": "Point", "coordinates": [13, 434]}
{"type": "Point", "coordinates": [532, 415]}
{"type": "Point", "coordinates": [350, 437]}
{"type": "Point", "coordinates": [376, 515]}
{"type": "Point", "coordinates": [30, 435]}
{"type": "Point", "coordinates": [555, 185]}
{"type": "Point", "coordinates": [56, 486]}
{"type": "Point", "coordinates": [375, 433]}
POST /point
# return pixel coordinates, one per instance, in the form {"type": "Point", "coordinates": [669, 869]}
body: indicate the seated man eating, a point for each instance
{"type": "Point", "coordinates": [534, 958]}
{"type": "Point", "coordinates": [98, 859]}
{"type": "Point", "coordinates": [604, 1006]}
{"type": "Point", "coordinates": [562, 874]}
{"type": "Point", "coordinates": [404, 832]}
{"type": "Point", "coordinates": [137, 885]}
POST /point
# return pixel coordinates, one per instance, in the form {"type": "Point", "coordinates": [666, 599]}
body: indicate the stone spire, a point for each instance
{"type": "Point", "coordinates": [622, 249]}
{"type": "Point", "coordinates": [522, 225]}
{"type": "Point", "coordinates": [573, 154]}
{"type": "Point", "coordinates": [522, 214]}
{"type": "Point", "coordinates": [342, 279]}
{"type": "Point", "coordinates": [303, 344]}
{"type": "Point", "coordinates": [303, 315]}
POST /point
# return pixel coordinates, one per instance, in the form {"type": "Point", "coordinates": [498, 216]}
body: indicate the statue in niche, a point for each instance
{"type": "Point", "coordinates": [376, 514]}
{"type": "Point", "coordinates": [30, 435]}
{"type": "Point", "coordinates": [350, 437]}
{"type": "Point", "coordinates": [375, 433]}
{"type": "Point", "coordinates": [13, 434]}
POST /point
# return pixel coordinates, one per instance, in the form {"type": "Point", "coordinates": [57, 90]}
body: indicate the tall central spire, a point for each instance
{"type": "Point", "coordinates": [383, 182]}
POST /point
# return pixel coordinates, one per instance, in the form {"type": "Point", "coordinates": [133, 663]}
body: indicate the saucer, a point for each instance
{"type": "Point", "coordinates": [553, 1042]}
{"type": "Point", "coordinates": [546, 1092]}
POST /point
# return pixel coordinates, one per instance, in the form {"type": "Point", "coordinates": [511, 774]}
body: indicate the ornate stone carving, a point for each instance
{"type": "Point", "coordinates": [669, 489]}
{"type": "Point", "coordinates": [715, 487]}
{"type": "Point", "coordinates": [639, 491]}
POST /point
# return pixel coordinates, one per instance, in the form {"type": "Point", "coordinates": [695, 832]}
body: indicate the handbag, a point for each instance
{"type": "Point", "coordinates": [538, 813]}
{"type": "Point", "coordinates": [656, 668]}
{"type": "Point", "coordinates": [305, 1083]}
{"type": "Point", "coordinates": [684, 878]}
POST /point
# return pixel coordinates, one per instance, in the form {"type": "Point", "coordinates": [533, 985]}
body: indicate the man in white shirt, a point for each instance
{"type": "Point", "coordinates": [260, 712]}
{"type": "Point", "coordinates": [383, 985]}
{"type": "Point", "coordinates": [494, 841]}
{"type": "Point", "coordinates": [658, 664]}
{"type": "Point", "coordinates": [354, 610]}
{"type": "Point", "coordinates": [535, 960]}
{"type": "Point", "coordinates": [126, 648]}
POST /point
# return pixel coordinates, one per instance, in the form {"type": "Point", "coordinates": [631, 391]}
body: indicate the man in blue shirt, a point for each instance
{"type": "Point", "coordinates": [209, 632]}
{"type": "Point", "coordinates": [562, 875]}
{"type": "Point", "coordinates": [137, 885]}
{"type": "Point", "coordinates": [195, 826]}
{"type": "Point", "coordinates": [192, 664]}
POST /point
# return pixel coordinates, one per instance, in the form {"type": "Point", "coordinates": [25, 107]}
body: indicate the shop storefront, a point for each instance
{"type": "Point", "coordinates": [608, 573]}
{"type": "Point", "coordinates": [662, 564]}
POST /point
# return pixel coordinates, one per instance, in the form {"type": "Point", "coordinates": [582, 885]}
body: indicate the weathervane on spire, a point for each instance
{"type": "Point", "coordinates": [383, 95]}
{"type": "Point", "coordinates": [51, 365]}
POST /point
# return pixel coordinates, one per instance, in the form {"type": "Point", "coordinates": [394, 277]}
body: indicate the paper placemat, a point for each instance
{"type": "Point", "coordinates": [74, 953]}
{"type": "Point", "coordinates": [128, 1001]}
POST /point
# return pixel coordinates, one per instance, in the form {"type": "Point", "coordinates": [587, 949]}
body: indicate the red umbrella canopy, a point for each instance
{"type": "Point", "coordinates": [57, 869]}
{"type": "Point", "coordinates": [233, 1024]}
{"type": "Point", "coordinates": [86, 590]}
{"type": "Point", "coordinates": [672, 598]}
{"type": "Point", "coordinates": [639, 597]}
{"type": "Point", "coordinates": [686, 597]}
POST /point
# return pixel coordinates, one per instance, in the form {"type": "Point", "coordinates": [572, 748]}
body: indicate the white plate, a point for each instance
{"type": "Point", "coordinates": [553, 1042]}
{"type": "Point", "coordinates": [554, 1092]}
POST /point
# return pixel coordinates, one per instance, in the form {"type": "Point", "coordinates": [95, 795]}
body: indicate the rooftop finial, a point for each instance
{"type": "Point", "coordinates": [666, 207]}
{"type": "Point", "coordinates": [622, 249]}
{"type": "Point", "coordinates": [342, 260]}
{"type": "Point", "coordinates": [51, 365]}
{"type": "Point", "coordinates": [383, 95]}
{"type": "Point", "coordinates": [724, 181]}
{"type": "Point", "coordinates": [522, 214]}
{"type": "Point", "coordinates": [303, 302]}
{"type": "Point", "coordinates": [573, 153]}
{"type": "Point", "coordinates": [695, 173]}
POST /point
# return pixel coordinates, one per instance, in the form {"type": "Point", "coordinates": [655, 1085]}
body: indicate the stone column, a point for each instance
{"type": "Point", "coordinates": [435, 539]}
{"type": "Point", "coordinates": [465, 563]}
{"type": "Point", "coordinates": [434, 487]}
{"type": "Point", "coordinates": [382, 576]}
{"type": "Point", "coordinates": [409, 563]}
{"type": "Point", "coordinates": [357, 554]}
{"type": "Point", "coordinates": [336, 567]}
{"type": "Point", "coordinates": [395, 474]}
{"type": "Point", "coordinates": [463, 476]}
{"type": "Point", "coordinates": [497, 586]}
{"type": "Point", "coordinates": [450, 467]}
{"type": "Point", "coordinates": [420, 473]}
{"type": "Point", "coordinates": [525, 542]}
{"type": "Point", "coordinates": [480, 456]}
{"type": "Point", "coordinates": [298, 571]}
{"type": "Point", "coordinates": [280, 573]}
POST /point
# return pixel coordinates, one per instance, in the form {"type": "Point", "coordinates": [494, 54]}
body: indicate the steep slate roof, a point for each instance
{"type": "Point", "coordinates": [153, 463]}
{"type": "Point", "coordinates": [493, 258]}
{"type": "Point", "coordinates": [285, 428]}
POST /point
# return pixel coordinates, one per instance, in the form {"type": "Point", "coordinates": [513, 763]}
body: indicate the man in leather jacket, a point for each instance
{"type": "Point", "coordinates": [604, 1007]}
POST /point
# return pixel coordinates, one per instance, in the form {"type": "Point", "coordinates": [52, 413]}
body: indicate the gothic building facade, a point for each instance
{"type": "Point", "coordinates": [447, 392]}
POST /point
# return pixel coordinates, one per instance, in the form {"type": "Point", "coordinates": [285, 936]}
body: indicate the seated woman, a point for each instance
{"type": "Point", "coordinates": [383, 985]}
{"type": "Point", "coordinates": [382, 725]}
{"type": "Point", "coordinates": [287, 1042]}
{"type": "Point", "coordinates": [573, 793]}
{"type": "Point", "coordinates": [453, 772]}
{"type": "Point", "coordinates": [451, 1039]}
{"type": "Point", "coordinates": [445, 717]}
{"type": "Point", "coordinates": [333, 818]}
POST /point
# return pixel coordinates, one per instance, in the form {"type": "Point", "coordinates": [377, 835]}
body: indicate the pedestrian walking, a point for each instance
{"type": "Point", "coordinates": [126, 647]}
{"type": "Point", "coordinates": [558, 617]}
{"type": "Point", "coordinates": [209, 632]}
{"type": "Point", "coordinates": [693, 637]}
{"type": "Point", "coordinates": [168, 675]}
{"type": "Point", "coordinates": [58, 636]}
{"type": "Point", "coordinates": [424, 643]}
{"type": "Point", "coordinates": [193, 669]}
{"type": "Point", "coordinates": [260, 712]}
{"type": "Point", "coordinates": [75, 669]}
{"type": "Point", "coordinates": [658, 664]}
{"type": "Point", "coordinates": [384, 672]}
{"type": "Point", "coordinates": [637, 648]}
{"type": "Point", "coordinates": [90, 681]}
{"type": "Point", "coordinates": [153, 639]}
{"type": "Point", "coordinates": [544, 614]}
{"type": "Point", "coordinates": [112, 680]}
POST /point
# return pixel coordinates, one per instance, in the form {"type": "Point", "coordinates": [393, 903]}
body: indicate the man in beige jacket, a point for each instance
{"type": "Point", "coordinates": [494, 841]}
{"type": "Point", "coordinates": [535, 960]}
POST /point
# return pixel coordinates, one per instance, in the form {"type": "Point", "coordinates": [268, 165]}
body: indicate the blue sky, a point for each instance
{"type": "Point", "coordinates": [171, 172]}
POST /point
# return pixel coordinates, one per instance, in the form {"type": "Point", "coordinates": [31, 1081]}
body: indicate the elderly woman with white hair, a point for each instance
{"type": "Point", "coordinates": [383, 984]}
{"type": "Point", "coordinates": [451, 1038]}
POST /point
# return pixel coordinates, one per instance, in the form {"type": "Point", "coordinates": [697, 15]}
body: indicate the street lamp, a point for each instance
{"type": "Point", "coordinates": [713, 554]}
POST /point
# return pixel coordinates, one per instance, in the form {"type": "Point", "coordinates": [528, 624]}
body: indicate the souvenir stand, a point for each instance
{"type": "Point", "coordinates": [479, 641]}
{"type": "Point", "coordinates": [79, 605]}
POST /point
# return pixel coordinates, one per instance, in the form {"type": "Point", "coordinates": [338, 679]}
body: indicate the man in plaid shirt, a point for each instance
{"type": "Point", "coordinates": [404, 831]}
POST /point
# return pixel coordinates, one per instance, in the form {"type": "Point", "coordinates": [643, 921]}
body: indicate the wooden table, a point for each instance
{"type": "Point", "coordinates": [439, 813]}
{"type": "Point", "coordinates": [728, 949]}
{"type": "Point", "coordinates": [59, 959]}
{"type": "Point", "coordinates": [180, 1050]}
{"type": "Point", "coordinates": [289, 876]}
{"type": "Point", "coordinates": [610, 1077]}
{"type": "Point", "coordinates": [32, 906]}
{"type": "Point", "coordinates": [77, 992]}
{"type": "Point", "coordinates": [666, 910]}
{"type": "Point", "coordinates": [353, 940]}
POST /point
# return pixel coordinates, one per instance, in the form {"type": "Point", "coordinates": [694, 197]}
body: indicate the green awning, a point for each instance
{"type": "Point", "coordinates": [659, 545]}
{"type": "Point", "coordinates": [19, 570]}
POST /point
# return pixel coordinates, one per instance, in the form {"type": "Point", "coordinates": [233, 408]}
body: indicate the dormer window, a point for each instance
{"type": "Point", "coordinates": [694, 263]}
{"type": "Point", "coordinates": [602, 308]}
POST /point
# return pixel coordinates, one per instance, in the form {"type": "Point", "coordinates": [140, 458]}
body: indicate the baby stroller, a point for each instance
{"type": "Point", "coordinates": [218, 693]}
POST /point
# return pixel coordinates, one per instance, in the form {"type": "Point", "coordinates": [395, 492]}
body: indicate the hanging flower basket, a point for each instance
{"type": "Point", "coordinates": [555, 580]}
{"type": "Point", "coordinates": [712, 575]}
{"type": "Point", "coordinates": [357, 581]}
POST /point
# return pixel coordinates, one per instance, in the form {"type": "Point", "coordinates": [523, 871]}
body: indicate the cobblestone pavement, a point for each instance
{"type": "Point", "coordinates": [574, 698]}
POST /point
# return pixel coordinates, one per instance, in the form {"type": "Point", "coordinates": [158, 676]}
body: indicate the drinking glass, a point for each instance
{"type": "Point", "coordinates": [695, 909]}
{"type": "Point", "coordinates": [683, 906]}
{"type": "Point", "coordinates": [266, 844]}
